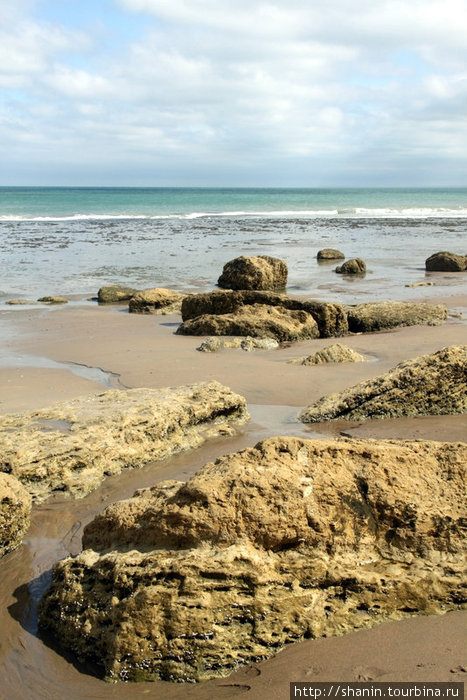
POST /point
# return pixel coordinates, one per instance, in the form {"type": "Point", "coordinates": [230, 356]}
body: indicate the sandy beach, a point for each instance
{"type": "Point", "coordinates": [55, 354]}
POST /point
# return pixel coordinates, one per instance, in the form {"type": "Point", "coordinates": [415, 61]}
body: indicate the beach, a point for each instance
{"type": "Point", "coordinates": [134, 350]}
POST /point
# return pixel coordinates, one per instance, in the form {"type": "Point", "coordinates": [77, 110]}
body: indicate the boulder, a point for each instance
{"type": "Point", "coordinates": [446, 262]}
{"type": "Point", "coordinates": [155, 301]}
{"type": "Point", "coordinates": [381, 315]}
{"type": "Point", "coordinates": [53, 300]}
{"type": "Point", "coordinates": [114, 294]}
{"type": "Point", "coordinates": [287, 540]}
{"type": "Point", "coordinates": [330, 254]}
{"type": "Point", "coordinates": [355, 266]}
{"type": "Point", "coordinates": [72, 446]}
{"type": "Point", "coordinates": [248, 344]}
{"type": "Point", "coordinates": [257, 321]}
{"type": "Point", "coordinates": [333, 353]}
{"type": "Point", "coordinates": [331, 318]}
{"type": "Point", "coordinates": [256, 272]}
{"type": "Point", "coordinates": [433, 384]}
{"type": "Point", "coordinates": [15, 510]}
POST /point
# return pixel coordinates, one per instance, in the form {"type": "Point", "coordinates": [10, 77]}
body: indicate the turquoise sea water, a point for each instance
{"type": "Point", "coordinates": [74, 240]}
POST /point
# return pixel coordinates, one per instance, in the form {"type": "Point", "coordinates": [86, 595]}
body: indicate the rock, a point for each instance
{"type": "Point", "coordinates": [72, 446]}
{"type": "Point", "coordinates": [330, 254]}
{"type": "Point", "coordinates": [381, 315]}
{"type": "Point", "coordinates": [428, 385]}
{"type": "Point", "coordinates": [333, 353]}
{"type": "Point", "coordinates": [157, 300]}
{"type": "Point", "coordinates": [256, 272]}
{"type": "Point", "coordinates": [53, 300]}
{"type": "Point", "coordinates": [115, 294]}
{"type": "Point", "coordinates": [420, 284]}
{"type": "Point", "coordinates": [355, 266]}
{"type": "Point", "coordinates": [446, 262]}
{"type": "Point", "coordinates": [20, 302]}
{"type": "Point", "coordinates": [290, 539]}
{"type": "Point", "coordinates": [331, 318]}
{"type": "Point", "coordinates": [248, 344]}
{"type": "Point", "coordinates": [257, 321]}
{"type": "Point", "coordinates": [15, 510]}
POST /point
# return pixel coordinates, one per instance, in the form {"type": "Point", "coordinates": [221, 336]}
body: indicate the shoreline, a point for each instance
{"type": "Point", "coordinates": [142, 350]}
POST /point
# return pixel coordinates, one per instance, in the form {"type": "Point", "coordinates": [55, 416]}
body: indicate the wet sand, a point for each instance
{"type": "Point", "coordinates": [143, 351]}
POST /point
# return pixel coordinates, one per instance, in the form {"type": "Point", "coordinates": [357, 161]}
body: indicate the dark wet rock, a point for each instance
{"type": "Point", "coordinates": [330, 254]}
{"type": "Point", "coordinates": [114, 294]}
{"type": "Point", "coordinates": [355, 266]}
{"type": "Point", "coordinates": [260, 272]}
{"type": "Point", "coordinates": [446, 262]}
{"type": "Point", "coordinates": [381, 315]}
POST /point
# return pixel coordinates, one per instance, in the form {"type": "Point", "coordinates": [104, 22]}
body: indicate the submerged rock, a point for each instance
{"type": "Point", "coordinates": [433, 384]}
{"type": "Point", "coordinates": [72, 446]}
{"type": "Point", "coordinates": [333, 353]}
{"type": "Point", "coordinates": [15, 509]}
{"type": "Point", "coordinates": [255, 272]}
{"type": "Point", "coordinates": [330, 254]}
{"type": "Point", "coordinates": [156, 300]}
{"type": "Point", "coordinates": [381, 315]}
{"type": "Point", "coordinates": [290, 539]}
{"type": "Point", "coordinates": [114, 294]}
{"type": "Point", "coordinates": [446, 262]}
{"type": "Point", "coordinates": [355, 266]}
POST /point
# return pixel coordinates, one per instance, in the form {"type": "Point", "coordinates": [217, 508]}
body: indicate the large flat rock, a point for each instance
{"type": "Point", "coordinates": [72, 446]}
{"type": "Point", "coordinates": [290, 539]}
{"type": "Point", "coordinates": [433, 384]}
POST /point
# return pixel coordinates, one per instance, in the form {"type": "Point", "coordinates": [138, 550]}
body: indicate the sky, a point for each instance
{"type": "Point", "coordinates": [287, 93]}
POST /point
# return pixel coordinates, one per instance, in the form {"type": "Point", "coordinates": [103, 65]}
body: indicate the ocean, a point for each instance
{"type": "Point", "coordinates": [73, 240]}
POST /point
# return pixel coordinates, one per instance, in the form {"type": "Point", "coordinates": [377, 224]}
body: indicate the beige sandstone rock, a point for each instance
{"type": "Point", "coordinates": [255, 272]}
{"type": "Point", "coordinates": [380, 315]}
{"type": "Point", "coordinates": [290, 539]}
{"type": "Point", "coordinates": [428, 385]}
{"type": "Point", "coordinates": [15, 509]}
{"type": "Point", "coordinates": [72, 446]}
{"type": "Point", "coordinates": [156, 300]}
{"type": "Point", "coordinates": [332, 353]}
{"type": "Point", "coordinates": [330, 254]}
{"type": "Point", "coordinates": [113, 294]}
{"type": "Point", "coordinates": [248, 344]}
{"type": "Point", "coordinates": [53, 300]}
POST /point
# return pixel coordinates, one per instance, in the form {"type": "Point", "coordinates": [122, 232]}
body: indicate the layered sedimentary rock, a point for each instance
{"type": "Point", "coordinates": [331, 318]}
{"type": "Point", "coordinates": [381, 315]}
{"type": "Point", "coordinates": [446, 262]}
{"type": "Point", "coordinates": [355, 266]}
{"type": "Point", "coordinates": [333, 353]}
{"type": "Point", "coordinates": [433, 384]}
{"type": "Point", "coordinates": [113, 294]}
{"type": "Point", "coordinates": [15, 509]}
{"type": "Point", "coordinates": [155, 301]}
{"type": "Point", "coordinates": [290, 539]}
{"type": "Point", "coordinates": [256, 272]}
{"type": "Point", "coordinates": [72, 446]}
{"type": "Point", "coordinates": [330, 254]}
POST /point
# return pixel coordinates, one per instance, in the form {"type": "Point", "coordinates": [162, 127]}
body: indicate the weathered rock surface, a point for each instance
{"type": "Point", "coordinates": [20, 302]}
{"type": "Point", "coordinates": [53, 300]}
{"type": "Point", "coordinates": [355, 266]}
{"type": "Point", "coordinates": [446, 262]}
{"type": "Point", "coordinates": [113, 294]}
{"type": "Point", "coordinates": [155, 301]}
{"type": "Point", "coordinates": [257, 321]}
{"type": "Point", "coordinates": [248, 344]}
{"type": "Point", "coordinates": [330, 254]}
{"type": "Point", "coordinates": [72, 446]}
{"type": "Point", "coordinates": [331, 318]}
{"type": "Point", "coordinates": [15, 509]}
{"type": "Point", "coordinates": [255, 272]}
{"type": "Point", "coordinates": [433, 384]}
{"type": "Point", "coordinates": [333, 353]}
{"type": "Point", "coordinates": [381, 315]}
{"type": "Point", "coordinates": [290, 539]}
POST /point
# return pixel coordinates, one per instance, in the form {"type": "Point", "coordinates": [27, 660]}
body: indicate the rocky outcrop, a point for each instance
{"type": "Point", "coordinates": [355, 266]}
{"type": "Point", "coordinates": [290, 539]}
{"type": "Point", "coordinates": [446, 262]}
{"type": "Point", "coordinates": [72, 446]}
{"type": "Point", "coordinates": [381, 315]}
{"type": "Point", "coordinates": [256, 272]}
{"type": "Point", "coordinates": [428, 385]}
{"type": "Point", "coordinates": [257, 321]}
{"type": "Point", "coordinates": [114, 294]}
{"type": "Point", "coordinates": [331, 318]}
{"type": "Point", "coordinates": [248, 344]}
{"type": "Point", "coordinates": [332, 353]}
{"type": "Point", "coordinates": [15, 509]}
{"type": "Point", "coordinates": [155, 301]}
{"type": "Point", "coordinates": [330, 254]}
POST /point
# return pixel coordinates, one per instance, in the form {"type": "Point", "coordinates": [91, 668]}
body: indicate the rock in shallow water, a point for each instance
{"type": "Point", "coordinates": [335, 353]}
{"type": "Point", "coordinates": [72, 446]}
{"type": "Point", "coordinates": [254, 272]}
{"type": "Point", "coordinates": [427, 385]}
{"type": "Point", "coordinates": [292, 538]}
